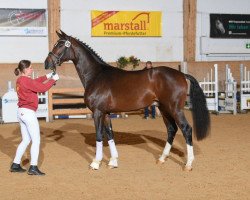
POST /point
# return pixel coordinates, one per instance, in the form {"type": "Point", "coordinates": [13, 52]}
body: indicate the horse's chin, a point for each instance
{"type": "Point", "coordinates": [48, 65]}
{"type": "Point", "coordinates": [53, 68]}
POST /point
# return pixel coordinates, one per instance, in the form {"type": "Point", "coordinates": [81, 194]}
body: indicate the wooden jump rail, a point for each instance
{"type": "Point", "coordinates": [64, 101]}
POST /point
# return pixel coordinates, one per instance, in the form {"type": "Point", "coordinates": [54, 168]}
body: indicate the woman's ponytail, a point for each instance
{"type": "Point", "coordinates": [16, 72]}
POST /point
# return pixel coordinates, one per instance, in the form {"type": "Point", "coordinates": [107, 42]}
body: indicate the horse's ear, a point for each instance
{"type": "Point", "coordinates": [59, 34]}
{"type": "Point", "coordinates": [63, 34]}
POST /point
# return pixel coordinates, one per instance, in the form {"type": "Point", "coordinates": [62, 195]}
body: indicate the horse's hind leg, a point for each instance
{"type": "Point", "coordinates": [187, 133]}
{"type": "Point", "coordinates": [113, 162]}
{"type": "Point", "coordinates": [172, 129]}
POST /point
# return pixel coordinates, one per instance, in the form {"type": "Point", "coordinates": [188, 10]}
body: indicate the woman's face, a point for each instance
{"type": "Point", "coordinates": [28, 71]}
{"type": "Point", "coordinates": [148, 65]}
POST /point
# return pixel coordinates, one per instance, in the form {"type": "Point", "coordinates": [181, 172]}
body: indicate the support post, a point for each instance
{"type": "Point", "coordinates": [189, 27]}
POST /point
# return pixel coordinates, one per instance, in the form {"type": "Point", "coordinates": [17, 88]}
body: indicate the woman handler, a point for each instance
{"type": "Point", "coordinates": [27, 89]}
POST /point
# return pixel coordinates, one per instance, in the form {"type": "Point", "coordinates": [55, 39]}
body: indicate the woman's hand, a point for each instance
{"type": "Point", "coordinates": [55, 77]}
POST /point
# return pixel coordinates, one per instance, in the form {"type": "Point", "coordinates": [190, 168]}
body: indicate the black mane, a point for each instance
{"type": "Point", "coordinates": [98, 58]}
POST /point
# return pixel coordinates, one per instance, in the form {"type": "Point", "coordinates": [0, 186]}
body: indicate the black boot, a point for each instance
{"type": "Point", "coordinates": [33, 170]}
{"type": "Point", "coordinates": [16, 168]}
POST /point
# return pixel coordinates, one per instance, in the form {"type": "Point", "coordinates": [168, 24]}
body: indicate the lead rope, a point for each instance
{"type": "Point", "coordinates": [53, 73]}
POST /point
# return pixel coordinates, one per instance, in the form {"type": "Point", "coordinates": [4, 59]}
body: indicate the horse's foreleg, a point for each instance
{"type": "Point", "coordinates": [113, 162]}
{"type": "Point", "coordinates": [172, 129]}
{"type": "Point", "coordinates": [99, 122]}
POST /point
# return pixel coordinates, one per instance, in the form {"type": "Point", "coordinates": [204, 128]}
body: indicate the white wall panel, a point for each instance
{"type": "Point", "coordinates": [76, 21]}
{"type": "Point", "coordinates": [225, 6]}
{"type": "Point", "coordinates": [18, 48]}
{"type": "Point", "coordinates": [208, 49]}
{"type": "Point", "coordinates": [165, 5]}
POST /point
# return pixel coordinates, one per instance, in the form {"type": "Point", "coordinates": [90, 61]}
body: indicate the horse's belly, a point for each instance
{"type": "Point", "coordinates": [128, 103]}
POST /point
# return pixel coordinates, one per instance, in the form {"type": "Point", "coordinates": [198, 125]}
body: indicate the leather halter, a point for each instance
{"type": "Point", "coordinates": [57, 61]}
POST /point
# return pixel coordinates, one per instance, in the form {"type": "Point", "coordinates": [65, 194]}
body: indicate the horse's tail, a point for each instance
{"type": "Point", "coordinates": [200, 113]}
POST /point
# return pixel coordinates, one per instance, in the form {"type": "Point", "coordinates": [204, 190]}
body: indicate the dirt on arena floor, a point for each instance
{"type": "Point", "coordinates": [220, 170]}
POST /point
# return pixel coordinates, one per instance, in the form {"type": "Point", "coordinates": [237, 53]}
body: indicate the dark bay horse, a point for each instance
{"type": "Point", "coordinates": [109, 89]}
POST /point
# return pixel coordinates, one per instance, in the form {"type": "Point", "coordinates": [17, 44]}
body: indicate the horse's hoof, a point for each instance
{"type": "Point", "coordinates": [188, 168]}
{"type": "Point", "coordinates": [112, 167]}
{"type": "Point", "coordinates": [95, 165]}
{"type": "Point", "coordinates": [160, 162]}
{"type": "Point", "coordinates": [113, 163]}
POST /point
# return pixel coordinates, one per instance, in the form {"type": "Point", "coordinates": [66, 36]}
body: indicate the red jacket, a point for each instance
{"type": "Point", "coordinates": [28, 88]}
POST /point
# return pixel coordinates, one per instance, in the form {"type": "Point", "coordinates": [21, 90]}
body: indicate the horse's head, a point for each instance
{"type": "Point", "coordinates": [60, 53]}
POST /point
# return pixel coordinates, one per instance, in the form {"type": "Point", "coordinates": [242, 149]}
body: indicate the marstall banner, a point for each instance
{"type": "Point", "coordinates": [126, 23]}
{"type": "Point", "coordinates": [229, 26]}
{"type": "Point", "coordinates": [24, 22]}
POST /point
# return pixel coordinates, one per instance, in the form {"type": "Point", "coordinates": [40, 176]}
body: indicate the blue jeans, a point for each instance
{"type": "Point", "coordinates": [146, 111]}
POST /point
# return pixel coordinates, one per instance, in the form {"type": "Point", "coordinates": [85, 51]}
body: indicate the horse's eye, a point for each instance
{"type": "Point", "coordinates": [60, 45]}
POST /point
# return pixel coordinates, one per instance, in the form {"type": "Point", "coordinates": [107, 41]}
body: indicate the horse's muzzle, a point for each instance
{"type": "Point", "coordinates": [48, 65]}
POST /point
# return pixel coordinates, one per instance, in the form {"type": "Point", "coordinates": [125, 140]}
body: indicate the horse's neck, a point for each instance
{"type": "Point", "coordinates": [85, 75]}
{"type": "Point", "coordinates": [87, 68]}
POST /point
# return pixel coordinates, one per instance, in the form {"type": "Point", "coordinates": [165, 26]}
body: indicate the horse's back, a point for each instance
{"type": "Point", "coordinates": [155, 79]}
{"type": "Point", "coordinates": [168, 73]}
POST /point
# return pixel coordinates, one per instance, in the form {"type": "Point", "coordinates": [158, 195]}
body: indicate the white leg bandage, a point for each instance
{"type": "Point", "coordinates": [112, 148]}
{"type": "Point", "coordinates": [113, 162]}
{"type": "Point", "coordinates": [99, 153]}
{"type": "Point", "coordinates": [190, 155]}
{"type": "Point", "coordinates": [98, 156]}
{"type": "Point", "coordinates": [165, 153]}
